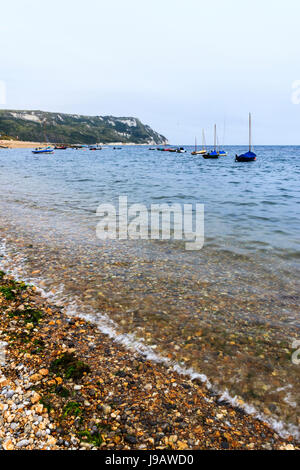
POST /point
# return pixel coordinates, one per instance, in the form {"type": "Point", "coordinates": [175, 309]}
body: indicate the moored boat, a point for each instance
{"type": "Point", "coordinates": [203, 151]}
{"type": "Point", "coordinates": [248, 156]}
{"type": "Point", "coordinates": [43, 150]}
{"type": "Point", "coordinates": [213, 154]}
{"type": "Point", "coordinates": [95, 147]}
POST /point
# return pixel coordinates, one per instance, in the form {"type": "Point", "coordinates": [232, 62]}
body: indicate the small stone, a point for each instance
{"type": "Point", "coordinates": [51, 440]}
{"type": "Point", "coordinates": [8, 445]}
{"type": "Point", "coordinates": [39, 408]}
{"type": "Point", "coordinates": [36, 377]}
{"type": "Point", "coordinates": [23, 443]}
{"type": "Point", "coordinates": [85, 445]}
{"type": "Point", "coordinates": [106, 409]}
{"type": "Point", "coordinates": [287, 447]}
{"type": "Point", "coordinates": [3, 382]}
{"type": "Point", "coordinates": [44, 372]}
{"type": "Point", "coordinates": [225, 445]}
{"type": "Point", "coordinates": [130, 439]}
{"type": "Point", "coordinates": [35, 398]}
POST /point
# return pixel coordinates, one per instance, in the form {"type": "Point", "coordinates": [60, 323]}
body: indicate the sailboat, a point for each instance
{"type": "Point", "coordinates": [200, 152]}
{"type": "Point", "coordinates": [223, 152]}
{"type": "Point", "coordinates": [214, 153]}
{"type": "Point", "coordinates": [248, 156]}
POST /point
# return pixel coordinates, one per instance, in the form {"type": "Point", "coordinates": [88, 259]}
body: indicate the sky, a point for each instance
{"type": "Point", "coordinates": [178, 65]}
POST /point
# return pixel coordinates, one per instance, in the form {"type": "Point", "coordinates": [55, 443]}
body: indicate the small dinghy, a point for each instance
{"type": "Point", "coordinates": [43, 150]}
{"type": "Point", "coordinates": [248, 156]}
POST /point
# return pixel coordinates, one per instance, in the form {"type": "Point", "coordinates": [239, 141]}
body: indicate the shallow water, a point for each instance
{"type": "Point", "coordinates": [229, 311]}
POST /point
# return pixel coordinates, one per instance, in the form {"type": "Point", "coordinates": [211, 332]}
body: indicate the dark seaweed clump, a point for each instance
{"type": "Point", "coordinates": [69, 366]}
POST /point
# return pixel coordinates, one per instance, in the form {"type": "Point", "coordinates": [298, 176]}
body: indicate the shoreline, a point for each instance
{"type": "Point", "coordinates": [81, 390]}
{"type": "Point", "coordinates": [18, 144]}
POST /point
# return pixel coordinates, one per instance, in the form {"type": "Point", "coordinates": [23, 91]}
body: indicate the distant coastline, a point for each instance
{"type": "Point", "coordinates": [41, 126]}
{"type": "Point", "coordinates": [22, 144]}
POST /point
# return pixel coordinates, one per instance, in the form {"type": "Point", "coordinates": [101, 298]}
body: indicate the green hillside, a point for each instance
{"type": "Point", "coordinates": [38, 126]}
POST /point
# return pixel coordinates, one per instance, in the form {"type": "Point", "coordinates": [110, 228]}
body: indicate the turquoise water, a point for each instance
{"type": "Point", "coordinates": [229, 311]}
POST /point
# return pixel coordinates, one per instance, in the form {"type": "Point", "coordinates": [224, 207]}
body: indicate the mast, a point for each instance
{"type": "Point", "coordinates": [203, 140]}
{"type": "Point", "coordinates": [44, 129]}
{"type": "Point", "coordinates": [250, 132]}
{"type": "Point", "coordinates": [215, 137]}
{"type": "Point", "coordinates": [195, 144]}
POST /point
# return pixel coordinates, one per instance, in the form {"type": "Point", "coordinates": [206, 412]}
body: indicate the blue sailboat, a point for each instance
{"type": "Point", "coordinates": [248, 156]}
{"type": "Point", "coordinates": [214, 153]}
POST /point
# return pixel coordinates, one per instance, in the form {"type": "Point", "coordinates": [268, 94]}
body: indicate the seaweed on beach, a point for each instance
{"type": "Point", "coordinates": [72, 408]}
{"type": "Point", "coordinates": [70, 366]}
{"type": "Point", "coordinates": [29, 315]}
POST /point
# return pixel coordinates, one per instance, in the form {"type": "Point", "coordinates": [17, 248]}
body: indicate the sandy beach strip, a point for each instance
{"type": "Point", "coordinates": [18, 144]}
{"type": "Point", "coordinates": [65, 385]}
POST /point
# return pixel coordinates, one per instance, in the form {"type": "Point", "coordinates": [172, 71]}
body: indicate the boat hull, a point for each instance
{"type": "Point", "coordinates": [247, 157]}
{"type": "Point", "coordinates": [212, 155]}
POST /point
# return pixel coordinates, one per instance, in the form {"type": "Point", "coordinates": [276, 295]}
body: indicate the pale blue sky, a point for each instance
{"type": "Point", "coordinates": [177, 65]}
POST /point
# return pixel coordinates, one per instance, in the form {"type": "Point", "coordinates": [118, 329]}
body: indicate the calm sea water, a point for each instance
{"type": "Point", "coordinates": [229, 311]}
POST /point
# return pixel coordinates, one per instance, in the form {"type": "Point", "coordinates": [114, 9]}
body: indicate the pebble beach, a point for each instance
{"type": "Point", "coordinates": [65, 385]}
